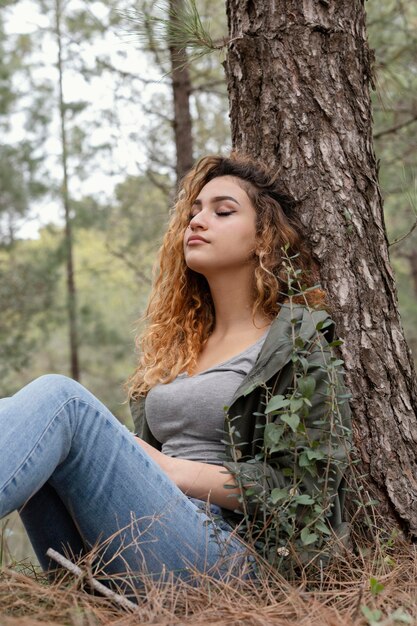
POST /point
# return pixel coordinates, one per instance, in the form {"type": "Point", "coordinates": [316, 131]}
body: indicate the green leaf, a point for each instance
{"type": "Point", "coordinates": [304, 498]}
{"type": "Point", "coordinates": [315, 455]}
{"type": "Point", "coordinates": [373, 616]}
{"type": "Point", "coordinates": [336, 342]}
{"type": "Point", "coordinates": [299, 342]}
{"type": "Point", "coordinates": [307, 537]}
{"type": "Point", "coordinates": [372, 503]}
{"type": "Point", "coordinates": [276, 403]}
{"type": "Point", "coordinates": [273, 433]}
{"type": "Point", "coordinates": [324, 324]}
{"type": "Point", "coordinates": [321, 526]}
{"type": "Point", "coordinates": [307, 458]}
{"type": "Point", "coordinates": [306, 386]}
{"type": "Point", "coordinates": [279, 447]}
{"type": "Point", "coordinates": [376, 586]}
{"type": "Point", "coordinates": [292, 420]}
{"type": "Point", "coordinates": [296, 404]}
{"type": "Point", "coordinates": [278, 494]}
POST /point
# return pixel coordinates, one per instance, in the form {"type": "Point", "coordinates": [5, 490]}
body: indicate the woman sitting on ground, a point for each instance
{"type": "Point", "coordinates": [241, 432]}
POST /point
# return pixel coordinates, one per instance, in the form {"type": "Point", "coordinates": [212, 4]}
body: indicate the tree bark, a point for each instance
{"type": "Point", "coordinates": [71, 290]}
{"type": "Point", "coordinates": [181, 89]}
{"type": "Point", "coordinates": [298, 76]}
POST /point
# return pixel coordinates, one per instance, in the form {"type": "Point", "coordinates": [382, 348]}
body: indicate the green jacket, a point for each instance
{"type": "Point", "coordinates": [328, 428]}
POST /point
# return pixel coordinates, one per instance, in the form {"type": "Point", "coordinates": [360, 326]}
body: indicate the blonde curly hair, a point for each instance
{"type": "Point", "coordinates": [180, 314]}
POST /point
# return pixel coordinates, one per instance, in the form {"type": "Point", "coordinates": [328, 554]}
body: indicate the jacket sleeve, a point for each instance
{"type": "Point", "coordinates": [326, 437]}
{"type": "Point", "coordinates": [142, 430]}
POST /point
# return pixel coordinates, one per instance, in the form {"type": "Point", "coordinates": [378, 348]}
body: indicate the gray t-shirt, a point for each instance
{"type": "Point", "coordinates": [187, 415]}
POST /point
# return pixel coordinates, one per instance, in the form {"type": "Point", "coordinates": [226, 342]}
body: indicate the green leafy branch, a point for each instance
{"type": "Point", "coordinates": [181, 28]}
{"type": "Point", "coordinates": [295, 515]}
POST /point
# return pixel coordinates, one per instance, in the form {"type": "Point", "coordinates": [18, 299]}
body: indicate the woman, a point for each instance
{"type": "Point", "coordinates": [223, 330]}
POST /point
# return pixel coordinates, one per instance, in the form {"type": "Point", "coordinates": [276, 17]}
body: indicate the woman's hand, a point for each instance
{"type": "Point", "coordinates": [198, 480]}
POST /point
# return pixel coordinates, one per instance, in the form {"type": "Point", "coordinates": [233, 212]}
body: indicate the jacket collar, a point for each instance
{"type": "Point", "coordinates": [278, 345]}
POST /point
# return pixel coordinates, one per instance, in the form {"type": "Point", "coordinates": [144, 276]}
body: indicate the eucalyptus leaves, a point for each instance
{"type": "Point", "coordinates": [303, 435]}
{"type": "Point", "coordinates": [301, 517]}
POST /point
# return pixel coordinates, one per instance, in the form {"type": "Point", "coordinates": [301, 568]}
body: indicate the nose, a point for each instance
{"type": "Point", "coordinates": [198, 222]}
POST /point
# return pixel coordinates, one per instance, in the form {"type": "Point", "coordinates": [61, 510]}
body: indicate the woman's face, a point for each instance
{"type": "Point", "coordinates": [222, 228]}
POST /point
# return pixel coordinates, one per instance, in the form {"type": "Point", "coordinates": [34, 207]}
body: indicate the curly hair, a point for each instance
{"type": "Point", "coordinates": [180, 314]}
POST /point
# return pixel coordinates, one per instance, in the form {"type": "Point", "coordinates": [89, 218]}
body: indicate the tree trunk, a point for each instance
{"type": "Point", "coordinates": [181, 87]}
{"type": "Point", "coordinates": [71, 291]}
{"type": "Point", "coordinates": [298, 78]}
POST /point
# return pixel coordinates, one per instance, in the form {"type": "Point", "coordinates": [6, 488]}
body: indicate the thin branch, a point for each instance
{"type": "Point", "coordinates": [392, 243]}
{"type": "Point", "coordinates": [186, 31]}
{"type": "Point", "coordinates": [119, 254]}
{"type": "Point", "coordinates": [77, 571]}
{"type": "Point", "coordinates": [394, 129]}
{"type": "Point", "coordinates": [208, 86]}
{"type": "Point", "coordinates": [358, 603]}
{"type": "Point", "coordinates": [159, 161]}
{"type": "Point", "coordinates": [124, 74]}
{"type": "Point", "coordinates": [397, 108]}
{"type": "Point", "coordinates": [165, 188]}
{"type": "Point", "coordinates": [159, 114]}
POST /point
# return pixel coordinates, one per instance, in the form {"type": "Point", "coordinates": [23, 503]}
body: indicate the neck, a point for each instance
{"type": "Point", "coordinates": [232, 295]}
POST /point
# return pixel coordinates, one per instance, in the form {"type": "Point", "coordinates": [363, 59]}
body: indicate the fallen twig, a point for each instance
{"type": "Point", "coordinates": [77, 571]}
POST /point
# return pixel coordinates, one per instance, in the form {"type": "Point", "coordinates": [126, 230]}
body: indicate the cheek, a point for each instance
{"type": "Point", "coordinates": [249, 237]}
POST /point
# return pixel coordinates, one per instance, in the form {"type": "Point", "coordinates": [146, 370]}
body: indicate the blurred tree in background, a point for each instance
{"type": "Point", "coordinates": [27, 277]}
{"type": "Point", "coordinates": [393, 31]}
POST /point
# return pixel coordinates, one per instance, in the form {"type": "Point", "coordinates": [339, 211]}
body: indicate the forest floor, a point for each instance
{"type": "Point", "coordinates": [376, 586]}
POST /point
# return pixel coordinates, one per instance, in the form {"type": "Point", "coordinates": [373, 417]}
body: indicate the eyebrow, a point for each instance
{"type": "Point", "coordinates": [216, 199]}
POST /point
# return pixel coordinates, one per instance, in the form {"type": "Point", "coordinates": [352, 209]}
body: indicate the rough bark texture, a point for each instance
{"type": "Point", "coordinates": [298, 76]}
{"type": "Point", "coordinates": [181, 86]}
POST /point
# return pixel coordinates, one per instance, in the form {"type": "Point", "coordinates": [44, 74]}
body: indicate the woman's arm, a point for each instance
{"type": "Point", "coordinates": [198, 480]}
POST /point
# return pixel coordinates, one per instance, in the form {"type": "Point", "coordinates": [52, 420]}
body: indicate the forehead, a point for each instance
{"type": "Point", "coordinates": [224, 185]}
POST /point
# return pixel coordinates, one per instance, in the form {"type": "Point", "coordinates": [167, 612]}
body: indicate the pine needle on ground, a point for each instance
{"type": "Point", "coordinates": [375, 586]}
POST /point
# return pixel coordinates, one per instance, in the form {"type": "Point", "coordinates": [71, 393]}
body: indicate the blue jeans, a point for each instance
{"type": "Point", "coordinates": [80, 480]}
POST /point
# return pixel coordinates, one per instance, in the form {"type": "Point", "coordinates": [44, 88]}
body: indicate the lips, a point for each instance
{"type": "Point", "coordinates": [196, 238]}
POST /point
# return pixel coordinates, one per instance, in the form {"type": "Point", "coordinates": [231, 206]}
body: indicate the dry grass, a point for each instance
{"type": "Point", "coordinates": [336, 598]}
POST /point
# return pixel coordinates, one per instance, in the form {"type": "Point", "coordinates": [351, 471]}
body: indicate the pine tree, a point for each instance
{"type": "Point", "coordinates": [299, 76]}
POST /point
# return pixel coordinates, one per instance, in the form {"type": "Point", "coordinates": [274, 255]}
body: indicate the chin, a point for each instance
{"type": "Point", "coordinates": [198, 269]}
{"type": "Point", "coordinates": [196, 265]}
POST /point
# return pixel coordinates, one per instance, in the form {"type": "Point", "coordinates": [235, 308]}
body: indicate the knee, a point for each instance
{"type": "Point", "coordinates": [56, 384]}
